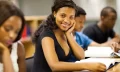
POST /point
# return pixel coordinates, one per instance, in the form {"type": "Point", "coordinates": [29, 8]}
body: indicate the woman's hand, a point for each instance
{"type": "Point", "coordinates": [3, 48]}
{"type": "Point", "coordinates": [96, 67]}
{"type": "Point", "coordinates": [70, 30]}
{"type": "Point", "coordinates": [6, 60]}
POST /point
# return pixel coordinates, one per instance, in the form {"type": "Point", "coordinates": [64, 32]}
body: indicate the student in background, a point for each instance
{"type": "Point", "coordinates": [81, 38]}
{"type": "Point", "coordinates": [55, 43]}
{"type": "Point", "coordinates": [12, 54]}
{"type": "Point", "coordinates": [101, 31]}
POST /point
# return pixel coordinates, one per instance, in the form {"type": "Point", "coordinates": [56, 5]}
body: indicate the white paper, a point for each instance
{"type": "Point", "coordinates": [105, 61]}
{"type": "Point", "coordinates": [98, 52]}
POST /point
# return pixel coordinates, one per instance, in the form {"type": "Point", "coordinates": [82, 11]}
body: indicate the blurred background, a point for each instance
{"type": "Point", "coordinates": [36, 10]}
{"type": "Point", "coordinates": [92, 7]}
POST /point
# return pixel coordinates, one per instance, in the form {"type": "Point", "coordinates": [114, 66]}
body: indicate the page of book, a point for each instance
{"type": "Point", "coordinates": [105, 61]}
{"type": "Point", "coordinates": [98, 52]}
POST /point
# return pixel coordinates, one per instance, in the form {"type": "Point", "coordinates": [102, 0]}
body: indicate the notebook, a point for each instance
{"type": "Point", "coordinates": [101, 52]}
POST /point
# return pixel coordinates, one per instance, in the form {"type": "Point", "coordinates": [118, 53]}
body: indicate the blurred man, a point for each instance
{"type": "Point", "coordinates": [81, 38]}
{"type": "Point", "coordinates": [101, 31]}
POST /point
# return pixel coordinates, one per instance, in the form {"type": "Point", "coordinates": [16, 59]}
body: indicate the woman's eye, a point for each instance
{"type": "Point", "coordinates": [7, 29]}
{"type": "Point", "coordinates": [63, 15]}
{"type": "Point", "coordinates": [72, 17]}
{"type": "Point", "coordinates": [16, 32]}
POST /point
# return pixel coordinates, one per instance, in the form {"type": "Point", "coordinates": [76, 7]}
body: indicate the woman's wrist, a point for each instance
{"type": "Point", "coordinates": [5, 51]}
{"type": "Point", "coordinates": [85, 66]}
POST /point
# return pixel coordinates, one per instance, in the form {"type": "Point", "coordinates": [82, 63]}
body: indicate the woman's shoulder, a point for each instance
{"type": "Point", "coordinates": [47, 33]}
{"type": "Point", "coordinates": [20, 45]}
{"type": "Point", "coordinates": [17, 48]}
{"type": "Point", "coordinates": [17, 45]}
{"type": "Point", "coordinates": [20, 49]}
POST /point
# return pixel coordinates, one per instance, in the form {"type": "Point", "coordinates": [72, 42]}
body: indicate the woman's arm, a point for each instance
{"type": "Point", "coordinates": [6, 60]}
{"type": "Point", "coordinates": [77, 49]}
{"type": "Point", "coordinates": [56, 65]}
{"type": "Point", "coordinates": [21, 57]}
{"type": "Point", "coordinates": [7, 63]}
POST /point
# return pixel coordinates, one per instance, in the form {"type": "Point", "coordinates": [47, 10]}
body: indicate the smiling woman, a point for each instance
{"type": "Point", "coordinates": [55, 43]}
{"type": "Point", "coordinates": [11, 26]}
{"type": "Point", "coordinates": [64, 18]}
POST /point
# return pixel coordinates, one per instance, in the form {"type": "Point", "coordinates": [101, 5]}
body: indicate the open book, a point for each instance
{"type": "Point", "coordinates": [101, 52]}
{"type": "Point", "coordinates": [107, 61]}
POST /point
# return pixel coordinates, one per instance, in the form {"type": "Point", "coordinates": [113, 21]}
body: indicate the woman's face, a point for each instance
{"type": "Point", "coordinates": [64, 18]}
{"type": "Point", "coordinates": [9, 30]}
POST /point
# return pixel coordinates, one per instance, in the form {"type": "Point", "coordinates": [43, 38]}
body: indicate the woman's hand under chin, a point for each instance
{"type": "Point", "coordinates": [3, 48]}
{"type": "Point", "coordinates": [70, 30]}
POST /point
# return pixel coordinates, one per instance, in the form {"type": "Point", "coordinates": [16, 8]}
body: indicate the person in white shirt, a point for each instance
{"type": "Point", "coordinates": [12, 54]}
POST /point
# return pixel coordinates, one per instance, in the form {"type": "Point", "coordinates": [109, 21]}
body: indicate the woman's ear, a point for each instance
{"type": "Point", "coordinates": [54, 13]}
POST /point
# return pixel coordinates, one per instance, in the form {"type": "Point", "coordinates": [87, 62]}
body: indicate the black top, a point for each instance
{"type": "Point", "coordinates": [40, 63]}
{"type": "Point", "coordinates": [96, 34]}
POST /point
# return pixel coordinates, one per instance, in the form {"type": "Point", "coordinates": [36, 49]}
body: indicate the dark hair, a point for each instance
{"type": "Point", "coordinates": [57, 5]}
{"type": "Point", "coordinates": [50, 22]}
{"type": "Point", "coordinates": [106, 10]}
{"type": "Point", "coordinates": [79, 11]}
{"type": "Point", "coordinates": [8, 9]}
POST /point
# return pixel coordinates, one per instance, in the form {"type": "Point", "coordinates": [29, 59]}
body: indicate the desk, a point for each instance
{"type": "Point", "coordinates": [116, 68]}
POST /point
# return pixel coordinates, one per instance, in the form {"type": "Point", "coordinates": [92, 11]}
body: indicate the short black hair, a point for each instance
{"type": "Point", "coordinates": [8, 9]}
{"type": "Point", "coordinates": [79, 11]}
{"type": "Point", "coordinates": [106, 10]}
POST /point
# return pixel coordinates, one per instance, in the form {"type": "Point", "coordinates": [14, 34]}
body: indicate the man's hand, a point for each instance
{"type": "Point", "coordinates": [115, 46]}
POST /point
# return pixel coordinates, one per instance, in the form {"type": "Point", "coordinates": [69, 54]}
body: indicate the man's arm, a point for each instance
{"type": "Point", "coordinates": [114, 45]}
{"type": "Point", "coordinates": [93, 43]}
{"type": "Point", "coordinates": [116, 38]}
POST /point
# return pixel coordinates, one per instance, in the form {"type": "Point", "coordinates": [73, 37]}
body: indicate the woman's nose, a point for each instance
{"type": "Point", "coordinates": [12, 35]}
{"type": "Point", "coordinates": [66, 20]}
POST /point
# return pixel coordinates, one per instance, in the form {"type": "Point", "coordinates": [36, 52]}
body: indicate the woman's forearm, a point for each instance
{"type": "Point", "coordinates": [69, 66]}
{"type": "Point", "coordinates": [7, 62]}
{"type": "Point", "coordinates": [77, 49]}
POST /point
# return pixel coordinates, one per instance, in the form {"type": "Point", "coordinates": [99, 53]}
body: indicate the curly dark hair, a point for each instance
{"type": "Point", "coordinates": [57, 5]}
{"type": "Point", "coordinates": [8, 9]}
{"type": "Point", "coordinates": [50, 22]}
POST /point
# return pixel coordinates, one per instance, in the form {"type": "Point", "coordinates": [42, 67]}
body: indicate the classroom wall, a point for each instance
{"type": "Point", "coordinates": [117, 26]}
{"type": "Point", "coordinates": [93, 10]}
{"type": "Point", "coordinates": [43, 7]}
{"type": "Point", "coordinates": [36, 7]}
